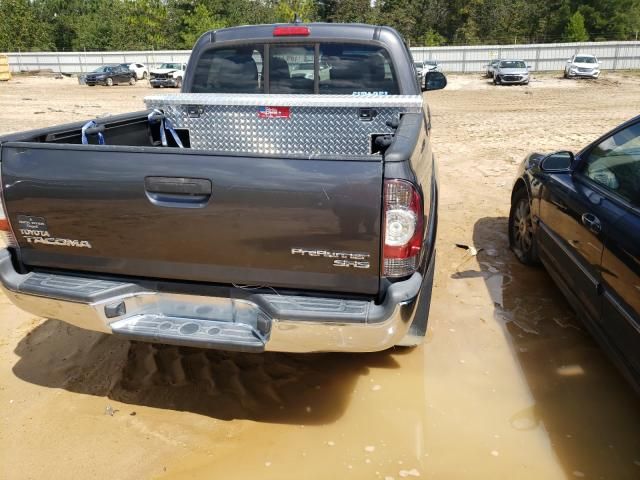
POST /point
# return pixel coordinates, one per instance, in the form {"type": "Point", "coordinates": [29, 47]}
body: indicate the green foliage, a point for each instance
{"type": "Point", "coordinates": [197, 22]}
{"type": "Point", "coordinates": [177, 24]}
{"type": "Point", "coordinates": [21, 28]}
{"type": "Point", "coordinates": [576, 31]}
{"type": "Point", "coordinates": [433, 39]}
{"type": "Point", "coordinates": [285, 10]}
{"type": "Point", "coordinates": [350, 11]}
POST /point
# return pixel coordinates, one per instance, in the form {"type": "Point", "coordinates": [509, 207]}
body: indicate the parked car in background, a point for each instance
{"type": "Point", "coordinates": [425, 66]}
{"type": "Point", "coordinates": [139, 69]}
{"type": "Point", "coordinates": [580, 216]}
{"type": "Point", "coordinates": [110, 75]}
{"type": "Point", "coordinates": [432, 66]}
{"type": "Point", "coordinates": [420, 71]}
{"type": "Point", "coordinates": [305, 70]}
{"type": "Point", "coordinates": [168, 75]}
{"type": "Point", "coordinates": [580, 65]}
{"type": "Point", "coordinates": [491, 67]}
{"type": "Point", "coordinates": [511, 72]}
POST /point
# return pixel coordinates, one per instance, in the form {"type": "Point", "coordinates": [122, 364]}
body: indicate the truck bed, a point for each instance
{"type": "Point", "coordinates": [243, 213]}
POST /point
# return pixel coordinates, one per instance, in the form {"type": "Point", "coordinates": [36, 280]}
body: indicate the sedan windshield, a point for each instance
{"type": "Point", "coordinates": [103, 69]}
{"type": "Point", "coordinates": [585, 60]}
{"type": "Point", "coordinates": [175, 66]}
{"type": "Point", "coordinates": [512, 64]}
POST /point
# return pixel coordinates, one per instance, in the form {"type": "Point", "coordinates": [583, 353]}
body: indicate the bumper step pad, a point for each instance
{"type": "Point", "coordinates": [191, 332]}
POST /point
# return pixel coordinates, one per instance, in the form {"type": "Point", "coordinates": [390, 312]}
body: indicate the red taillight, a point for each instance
{"type": "Point", "coordinates": [403, 221]}
{"type": "Point", "coordinates": [293, 31]}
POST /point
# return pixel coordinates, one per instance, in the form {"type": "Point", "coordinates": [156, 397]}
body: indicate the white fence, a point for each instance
{"type": "Point", "coordinates": [541, 57]}
{"type": "Point", "coordinates": [81, 62]}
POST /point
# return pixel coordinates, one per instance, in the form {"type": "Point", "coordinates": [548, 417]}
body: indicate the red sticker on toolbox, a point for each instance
{"type": "Point", "coordinates": [274, 112]}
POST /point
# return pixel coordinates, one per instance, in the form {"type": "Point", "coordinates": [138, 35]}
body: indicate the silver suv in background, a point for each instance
{"type": "Point", "coordinates": [511, 72]}
{"type": "Point", "coordinates": [581, 65]}
{"type": "Point", "coordinates": [425, 66]}
{"type": "Point", "coordinates": [432, 66]}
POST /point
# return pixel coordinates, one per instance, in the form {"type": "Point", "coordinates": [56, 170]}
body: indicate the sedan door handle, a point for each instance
{"type": "Point", "coordinates": [592, 222]}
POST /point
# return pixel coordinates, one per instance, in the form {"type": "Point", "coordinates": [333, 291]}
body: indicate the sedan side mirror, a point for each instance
{"type": "Point", "coordinates": [558, 162]}
{"type": "Point", "coordinates": [434, 81]}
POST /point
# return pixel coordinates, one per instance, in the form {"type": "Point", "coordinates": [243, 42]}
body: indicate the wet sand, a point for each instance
{"type": "Point", "coordinates": [507, 385]}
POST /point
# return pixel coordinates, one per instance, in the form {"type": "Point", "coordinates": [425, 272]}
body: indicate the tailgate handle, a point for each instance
{"type": "Point", "coordinates": [178, 191]}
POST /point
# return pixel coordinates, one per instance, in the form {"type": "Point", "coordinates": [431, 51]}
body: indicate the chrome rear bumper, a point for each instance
{"type": "Point", "coordinates": [242, 321]}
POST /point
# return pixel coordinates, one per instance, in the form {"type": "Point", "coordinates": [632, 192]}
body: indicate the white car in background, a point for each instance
{"type": "Point", "coordinates": [432, 66]}
{"type": "Point", "coordinates": [141, 70]}
{"type": "Point", "coordinates": [425, 66]}
{"type": "Point", "coordinates": [581, 65]}
{"type": "Point", "coordinates": [168, 75]}
{"type": "Point", "coordinates": [305, 70]}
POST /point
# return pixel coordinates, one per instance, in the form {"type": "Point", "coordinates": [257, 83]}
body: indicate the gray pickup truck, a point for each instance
{"type": "Point", "coordinates": [256, 210]}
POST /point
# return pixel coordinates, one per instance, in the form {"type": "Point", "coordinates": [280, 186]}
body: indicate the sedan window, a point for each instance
{"type": "Point", "coordinates": [615, 164]}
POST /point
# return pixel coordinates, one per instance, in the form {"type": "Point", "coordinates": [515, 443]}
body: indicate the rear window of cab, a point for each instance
{"type": "Point", "coordinates": [324, 68]}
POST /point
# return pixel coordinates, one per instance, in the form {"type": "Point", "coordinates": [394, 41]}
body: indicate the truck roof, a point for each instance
{"type": "Point", "coordinates": [317, 31]}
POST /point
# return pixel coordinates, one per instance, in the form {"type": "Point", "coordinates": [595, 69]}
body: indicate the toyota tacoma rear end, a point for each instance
{"type": "Point", "coordinates": [255, 210]}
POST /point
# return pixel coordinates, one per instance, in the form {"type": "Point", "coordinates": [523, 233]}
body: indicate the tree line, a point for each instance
{"type": "Point", "coordinates": [65, 25]}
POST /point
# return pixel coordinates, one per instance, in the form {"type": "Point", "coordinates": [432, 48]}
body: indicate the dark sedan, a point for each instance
{"type": "Point", "coordinates": [110, 75]}
{"type": "Point", "coordinates": [579, 215]}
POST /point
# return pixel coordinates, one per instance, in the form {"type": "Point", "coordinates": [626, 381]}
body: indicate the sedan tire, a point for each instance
{"type": "Point", "coordinates": [109, 82]}
{"type": "Point", "coordinates": [132, 81]}
{"type": "Point", "coordinates": [496, 80]}
{"type": "Point", "coordinates": [521, 238]}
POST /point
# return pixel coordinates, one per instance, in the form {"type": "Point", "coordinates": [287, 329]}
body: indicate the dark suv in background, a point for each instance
{"type": "Point", "coordinates": [110, 75]}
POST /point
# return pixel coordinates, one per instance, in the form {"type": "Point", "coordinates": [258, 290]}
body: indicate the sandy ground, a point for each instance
{"type": "Point", "coordinates": [507, 385]}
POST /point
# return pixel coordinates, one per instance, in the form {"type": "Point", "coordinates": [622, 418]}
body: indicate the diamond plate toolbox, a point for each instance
{"type": "Point", "coordinates": [309, 125]}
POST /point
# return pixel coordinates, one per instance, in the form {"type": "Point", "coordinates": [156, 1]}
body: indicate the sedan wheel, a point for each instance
{"type": "Point", "coordinates": [109, 82]}
{"type": "Point", "coordinates": [521, 237]}
{"type": "Point", "coordinates": [132, 81]}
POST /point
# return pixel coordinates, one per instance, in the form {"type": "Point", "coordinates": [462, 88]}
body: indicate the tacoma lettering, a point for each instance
{"type": "Point", "coordinates": [62, 242]}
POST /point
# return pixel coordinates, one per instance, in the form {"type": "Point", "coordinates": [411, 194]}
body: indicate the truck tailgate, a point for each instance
{"type": "Point", "coordinates": [189, 215]}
